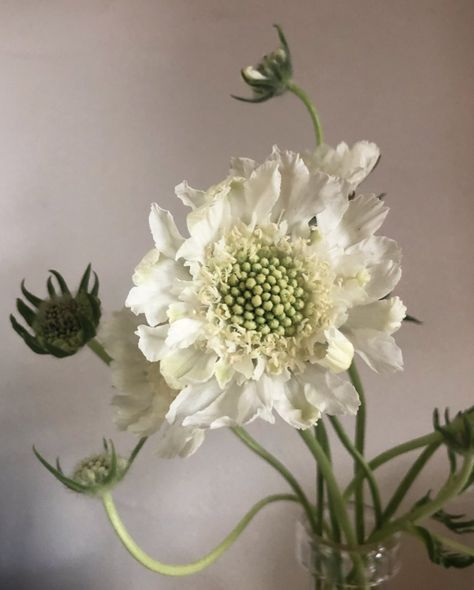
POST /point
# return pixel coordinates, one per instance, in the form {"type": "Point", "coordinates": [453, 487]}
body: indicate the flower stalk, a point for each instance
{"type": "Point", "coordinates": [190, 568]}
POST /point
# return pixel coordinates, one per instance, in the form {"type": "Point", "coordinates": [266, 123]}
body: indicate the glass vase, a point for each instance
{"type": "Point", "coordinates": [335, 566]}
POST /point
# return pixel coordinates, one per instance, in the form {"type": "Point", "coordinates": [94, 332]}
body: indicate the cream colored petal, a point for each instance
{"type": "Point", "coordinates": [184, 332]}
{"type": "Point", "coordinates": [152, 341]}
{"type": "Point", "coordinates": [328, 392]}
{"type": "Point", "coordinates": [236, 405]}
{"type": "Point", "coordinates": [378, 349]}
{"type": "Point", "coordinates": [176, 440]}
{"type": "Point", "coordinates": [385, 316]}
{"type": "Point", "coordinates": [188, 365]}
{"type": "Point", "coordinates": [164, 231]}
{"type": "Point", "coordinates": [189, 196]}
{"type": "Point", "coordinates": [339, 353]}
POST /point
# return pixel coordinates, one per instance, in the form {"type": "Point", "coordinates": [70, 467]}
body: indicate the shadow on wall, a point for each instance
{"type": "Point", "coordinates": [73, 577]}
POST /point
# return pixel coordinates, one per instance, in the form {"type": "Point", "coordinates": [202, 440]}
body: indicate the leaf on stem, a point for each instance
{"type": "Point", "coordinates": [439, 554]}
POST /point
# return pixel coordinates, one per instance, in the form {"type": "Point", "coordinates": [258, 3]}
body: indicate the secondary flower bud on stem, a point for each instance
{"type": "Point", "coordinates": [62, 323]}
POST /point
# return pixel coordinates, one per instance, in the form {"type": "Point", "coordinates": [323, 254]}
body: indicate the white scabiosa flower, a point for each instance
{"type": "Point", "coordinates": [145, 396]}
{"type": "Point", "coordinates": [353, 164]}
{"type": "Point", "coordinates": [263, 306]}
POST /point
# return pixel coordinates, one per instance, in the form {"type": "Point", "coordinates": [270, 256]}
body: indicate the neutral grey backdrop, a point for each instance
{"type": "Point", "coordinates": [104, 107]}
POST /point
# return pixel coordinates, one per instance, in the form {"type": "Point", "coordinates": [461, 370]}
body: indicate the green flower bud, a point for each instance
{"type": "Point", "coordinates": [95, 474]}
{"type": "Point", "coordinates": [458, 434]}
{"type": "Point", "coordinates": [62, 323]}
{"type": "Point", "coordinates": [270, 77]}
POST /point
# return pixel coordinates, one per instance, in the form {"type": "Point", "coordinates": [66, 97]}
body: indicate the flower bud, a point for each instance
{"type": "Point", "coordinates": [270, 77]}
{"type": "Point", "coordinates": [93, 475]}
{"type": "Point", "coordinates": [62, 323]}
{"type": "Point", "coordinates": [458, 434]}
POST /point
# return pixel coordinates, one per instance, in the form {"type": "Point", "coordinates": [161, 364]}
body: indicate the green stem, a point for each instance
{"type": "Point", "coordinates": [99, 350]}
{"type": "Point", "coordinates": [331, 485]}
{"type": "Point", "coordinates": [254, 446]}
{"type": "Point", "coordinates": [301, 94]}
{"type": "Point", "coordinates": [337, 501]}
{"type": "Point", "coordinates": [390, 454]}
{"type": "Point", "coordinates": [453, 486]}
{"type": "Point", "coordinates": [320, 435]}
{"type": "Point", "coordinates": [361, 462]}
{"type": "Point", "coordinates": [408, 480]}
{"type": "Point", "coordinates": [360, 426]}
{"type": "Point", "coordinates": [189, 568]}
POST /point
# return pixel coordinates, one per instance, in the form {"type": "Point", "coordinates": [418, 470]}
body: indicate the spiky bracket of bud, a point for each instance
{"type": "Point", "coordinates": [458, 433]}
{"type": "Point", "coordinates": [95, 474]}
{"type": "Point", "coordinates": [270, 77]}
{"type": "Point", "coordinates": [62, 323]}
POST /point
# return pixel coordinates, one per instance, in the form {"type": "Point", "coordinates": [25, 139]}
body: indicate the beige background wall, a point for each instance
{"type": "Point", "coordinates": [104, 107]}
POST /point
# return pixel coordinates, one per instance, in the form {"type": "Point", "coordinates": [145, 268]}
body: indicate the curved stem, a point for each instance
{"type": "Point", "coordinates": [360, 426]}
{"type": "Point", "coordinates": [189, 568]}
{"type": "Point", "coordinates": [361, 462]}
{"type": "Point", "coordinates": [254, 446]}
{"type": "Point", "coordinates": [301, 94]}
{"type": "Point", "coordinates": [453, 486]}
{"type": "Point", "coordinates": [390, 454]}
{"type": "Point", "coordinates": [408, 480]}
{"type": "Point", "coordinates": [99, 350]}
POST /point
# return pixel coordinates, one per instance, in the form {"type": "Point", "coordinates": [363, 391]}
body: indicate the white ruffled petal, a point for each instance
{"type": "Point", "coordinates": [236, 405]}
{"type": "Point", "coordinates": [188, 365]}
{"type": "Point", "coordinates": [184, 332]}
{"type": "Point", "coordinates": [362, 218]}
{"type": "Point", "coordinates": [328, 392]}
{"type": "Point", "coordinates": [378, 349]}
{"type": "Point", "coordinates": [292, 404]}
{"type": "Point", "coordinates": [378, 260]}
{"type": "Point", "coordinates": [164, 231]}
{"type": "Point", "coordinates": [179, 441]}
{"type": "Point", "coordinates": [353, 164]}
{"type": "Point", "coordinates": [192, 399]}
{"type": "Point", "coordinates": [152, 342]}
{"type": "Point", "coordinates": [206, 225]}
{"type": "Point", "coordinates": [252, 201]}
{"type": "Point", "coordinates": [339, 353]}
{"type": "Point", "coordinates": [385, 315]}
{"type": "Point", "coordinates": [189, 196]}
{"type": "Point", "coordinates": [242, 167]}
{"type": "Point", "coordinates": [158, 281]}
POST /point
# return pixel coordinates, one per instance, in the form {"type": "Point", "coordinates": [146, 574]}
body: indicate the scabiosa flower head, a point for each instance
{"type": "Point", "coordinates": [62, 323]}
{"type": "Point", "coordinates": [280, 281]}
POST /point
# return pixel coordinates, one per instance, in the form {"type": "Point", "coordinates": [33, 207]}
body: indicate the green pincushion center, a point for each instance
{"type": "Point", "coordinates": [265, 292]}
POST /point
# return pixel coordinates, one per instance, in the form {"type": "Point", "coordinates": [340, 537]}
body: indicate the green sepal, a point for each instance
{"type": "Point", "coordinates": [95, 287]}
{"type": "Point", "coordinates": [414, 320]}
{"type": "Point", "coordinates": [27, 313]}
{"type": "Point", "coordinates": [83, 285]}
{"type": "Point", "coordinates": [112, 475]}
{"type": "Point", "coordinates": [284, 44]}
{"type": "Point", "coordinates": [51, 290]}
{"type": "Point", "coordinates": [134, 453]}
{"type": "Point", "coordinates": [94, 305]}
{"type": "Point", "coordinates": [69, 483]}
{"type": "Point", "coordinates": [56, 351]}
{"type": "Point", "coordinates": [257, 99]}
{"type": "Point", "coordinates": [61, 282]}
{"type": "Point", "coordinates": [438, 554]}
{"type": "Point", "coordinates": [28, 339]}
{"type": "Point", "coordinates": [36, 301]}
{"type": "Point", "coordinates": [454, 522]}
